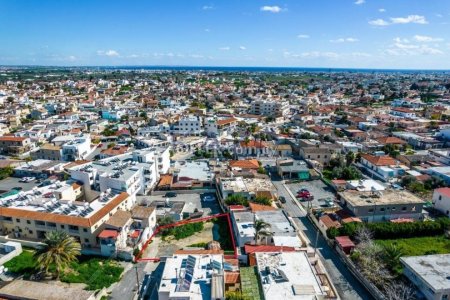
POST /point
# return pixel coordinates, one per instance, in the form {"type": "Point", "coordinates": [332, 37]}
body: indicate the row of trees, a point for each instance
{"type": "Point", "coordinates": [237, 199]}
{"type": "Point", "coordinates": [381, 265]}
{"type": "Point", "coordinates": [388, 230]}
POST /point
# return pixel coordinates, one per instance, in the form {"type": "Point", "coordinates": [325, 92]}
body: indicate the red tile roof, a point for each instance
{"type": "Point", "coordinates": [245, 164]}
{"type": "Point", "coordinates": [267, 248]}
{"type": "Point", "coordinates": [253, 144]}
{"type": "Point", "coordinates": [344, 241]}
{"type": "Point", "coordinates": [108, 233]}
{"type": "Point", "coordinates": [12, 138]}
{"type": "Point", "coordinates": [445, 191]}
{"type": "Point", "coordinates": [384, 160]}
{"type": "Point", "coordinates": [391, 140]}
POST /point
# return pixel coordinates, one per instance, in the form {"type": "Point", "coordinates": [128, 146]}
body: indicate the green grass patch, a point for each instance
{"type": "Point", "coordinates": [251, 287]}
{"type": "Point", "coordinates": [24, 263]}
{"type": "Point", "coordinates": [199, 245]}
{"type": "Point", "coordinates": [94, 272]}
{"type": "Point", "coordinates": [420, 245]}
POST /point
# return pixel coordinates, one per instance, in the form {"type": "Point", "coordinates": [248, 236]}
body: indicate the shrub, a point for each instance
{"type": "Point", "coordinates": [388, 230]}
{"type": "Point", "coordinates": [263, 200]}
{"type": "Point", "coordinates": [22, 264]}
{"type": "Point", "coordinates": [236, 199]}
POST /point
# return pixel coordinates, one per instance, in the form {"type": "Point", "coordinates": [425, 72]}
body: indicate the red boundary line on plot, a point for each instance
{"type": "Point", "coordinates": [183, 222]}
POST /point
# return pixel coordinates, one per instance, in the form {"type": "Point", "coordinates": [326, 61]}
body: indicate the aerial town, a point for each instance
{"type": "Point", "coordinates": [141, 183]}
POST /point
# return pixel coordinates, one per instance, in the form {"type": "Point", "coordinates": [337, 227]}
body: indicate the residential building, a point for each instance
{"type": "Point", "coordinates": [30, 215]}
{"type": "Point", "coordinates": [220, 127]}
{"type": "Point", "coordinates": [382, 206]}
{"type": "Point", "coordinates": [292, 276]}
{"type": "Point", "coordinates": [289, 168]}
{"type": "Point", "coordinates": [383, 167]}
{"type": "Point", "coordinates": [441, 200]}
{"type": "Point", "coordinates": [269, 108]}
{"type": "Point", "coordinates": [48, 151]}
{"type": "Point", "coordinates": [193, 277]}
{"type": "Point", "coordinates": [430, 274]}
{"type": "Point", "coordinates": [188, 125]}
{"type": "Point", "coordinates": [13, 145]}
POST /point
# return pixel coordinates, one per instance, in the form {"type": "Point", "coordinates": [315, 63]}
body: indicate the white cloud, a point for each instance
{"type": "Point", "coordinates": [312, 54]}
{"type": "Point", "coordinates": [273, 9]}
{"type": "Point", "coordinates": [110, 53]}
{"type": "Point", "coordinates": [242, 47]}
{"type": "Point", "coordinates": [303, 36]}
{"type": "Point", "coordinates": [426, 39]}
{"type": "Point", "coordinates": [207, 30]}
{"type": "Point", "coordinates": [343, 40]}
{"type": "Point", "coordinates": [196, 56]}
{"type": "Point", "coordinates": [405, 47]}
{"type": "Point", "coordinates": [382, 10]}
{"type": "Point", "coordinates": [409, 19]}
{"type": "Point", "coordinates": [224, 48]}
{"type": "Point", "coordinates": [207, 7]}
{"type": "Point", "coordinates": [378, 22]}
{"type": "Point", "coordinates": [360, 54]}
{"type": "Point", "coordinates": [72, 58]}
{"type": "Point", "coordinates": [414, 19]}
{"type": "Point", "coordinates": [359, 2]}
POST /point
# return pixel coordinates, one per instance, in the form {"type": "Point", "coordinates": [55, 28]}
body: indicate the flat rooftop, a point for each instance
{"type": "Point", "coordinates": [361, 198]}
{"type": "Point", "coordinates": [190, 276]}
{"type": "Point", "coordinates": [288, 275]}
{"type": "Point", "coordinates": [433, 269]}
{"type": "Point", "coordinates": [198, 170]}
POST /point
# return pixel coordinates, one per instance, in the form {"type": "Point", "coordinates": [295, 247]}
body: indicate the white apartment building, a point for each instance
{"type": "Point", "coordinates": [188, 125]}
{"type": "Point", "coordinates": [269, 108]}
{"type": "Point", "coordinates": [134, 173]}
{"type": "Point", "coordinates": [74, 147]}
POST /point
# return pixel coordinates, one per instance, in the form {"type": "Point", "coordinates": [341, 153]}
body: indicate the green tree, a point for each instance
{"type": "Point", "coordinates": [6, 172]}
{"type": "Point", "coordinates": [350, 158]}
{"type": "Point", "coordinates": [60, 250]}
{"type": "Point", "coordinates": [262, 229]}
{"type": "Point", "coordinates": [236, 199]}
{"type": "Point", "coordinates": [263, 200]}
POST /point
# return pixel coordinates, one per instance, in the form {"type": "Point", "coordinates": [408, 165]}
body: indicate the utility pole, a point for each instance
{"type": "Point", "coordinates": [137, 280]}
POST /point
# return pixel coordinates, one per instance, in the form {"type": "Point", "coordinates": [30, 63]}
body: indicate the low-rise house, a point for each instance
{"type": "Point", "coordinates": [48, 151]}
{"type": "Point", "coordinates": [292, 169]}
{"type": "Point", "coordinates": [383, 167]}
{"type": "Point", "coordinates": [13, 145]}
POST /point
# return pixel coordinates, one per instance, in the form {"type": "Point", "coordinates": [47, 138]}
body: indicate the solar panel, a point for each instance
{"type": "Point", "coordinates": [216, 265]}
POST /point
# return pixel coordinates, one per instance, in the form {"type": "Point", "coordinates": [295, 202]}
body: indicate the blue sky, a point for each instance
{"type": "Point", "coordinates": [292, 33]}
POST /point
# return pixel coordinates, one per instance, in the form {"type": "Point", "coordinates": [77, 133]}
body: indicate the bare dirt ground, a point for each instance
{"type": "Point", "coordinates": [167, 247]}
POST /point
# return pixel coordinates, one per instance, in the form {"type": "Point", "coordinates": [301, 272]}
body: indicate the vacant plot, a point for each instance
{"type": "Point", "coordinates": [420, 245]}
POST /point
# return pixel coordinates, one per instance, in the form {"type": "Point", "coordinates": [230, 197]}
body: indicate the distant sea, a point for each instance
{"type": "Point", "coordinates": [239, 69]}
{"type": "Point", "coordinates": [272, 69]}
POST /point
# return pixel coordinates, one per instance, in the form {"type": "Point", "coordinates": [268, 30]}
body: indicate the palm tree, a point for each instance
{"type": "Point", "coordinates": [262, 229]}
{"type": "Point", "coordinates": [61, 249]}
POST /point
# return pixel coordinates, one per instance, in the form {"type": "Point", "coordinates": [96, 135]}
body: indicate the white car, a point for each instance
{"type": "Point", "coordinates": [27, 179]}
{"type": "Point", "coordinates": [209, 198]}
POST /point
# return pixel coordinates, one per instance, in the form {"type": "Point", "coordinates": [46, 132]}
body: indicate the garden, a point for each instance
{"type": "Point", "coordinates": [96, 273]}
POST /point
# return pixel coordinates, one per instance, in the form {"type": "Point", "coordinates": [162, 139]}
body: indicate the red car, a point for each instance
{"type": "Point", "coordinates": [303, 194]}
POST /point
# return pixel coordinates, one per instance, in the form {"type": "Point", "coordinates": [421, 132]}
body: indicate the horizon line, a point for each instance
{"type": "Point", "coordinates": [217, 66]}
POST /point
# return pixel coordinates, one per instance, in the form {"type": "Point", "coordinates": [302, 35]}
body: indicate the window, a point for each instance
{"type": "Point", "coordinates": [84, 229]}
{"type": "Point", "coordinates": [28, 222]}
{"type": "Point", "coordinates": [440, 197]}
{"type": "Point", "coordinates": [30, 231]}
{"type": "Point", "coordinates": [9, 219]}
{"type": "Point", "coordinates": [62, 226]}
{"type": "Point", "coordinates": [404, 208]}
{"type": "Point", "coordinates": [382, 209]}
{"type": "Point", "coordinates": [370, 209]}
{"type": "Point", "coordinates": [18, 220]}
{"type": "Point", "coordinates": [86, 240]}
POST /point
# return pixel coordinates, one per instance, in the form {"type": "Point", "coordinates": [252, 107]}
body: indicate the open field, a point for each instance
{"type": "Point", "coordinates": [420, 245]}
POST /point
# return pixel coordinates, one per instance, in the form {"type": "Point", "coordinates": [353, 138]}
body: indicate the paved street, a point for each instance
{"type": "Point", "coordinates": [126, 288]}
{"type": "Point", "coordinates": [346, 284]}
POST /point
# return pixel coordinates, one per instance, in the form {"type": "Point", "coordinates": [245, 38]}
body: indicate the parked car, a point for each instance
{"type": "Point", "coordinates": [27, 179]}
{"type": "Point", "coordinates": [282, 199]}
{"type": "Point", "coordinates": [303, 195]}
{"type": "Point", "coordinates": [170, 194]}
{"type": "Point", "coordinates": [209, 198]}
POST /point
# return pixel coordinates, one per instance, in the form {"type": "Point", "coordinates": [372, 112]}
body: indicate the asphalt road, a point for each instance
{"type": "Point", "coordinates": [126, 288]}
{"type": "Point", "coordinates": [346, 284]}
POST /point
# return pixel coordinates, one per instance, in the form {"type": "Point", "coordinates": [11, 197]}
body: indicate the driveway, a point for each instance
{"type": "Point", "coordinates": [346, 284]}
